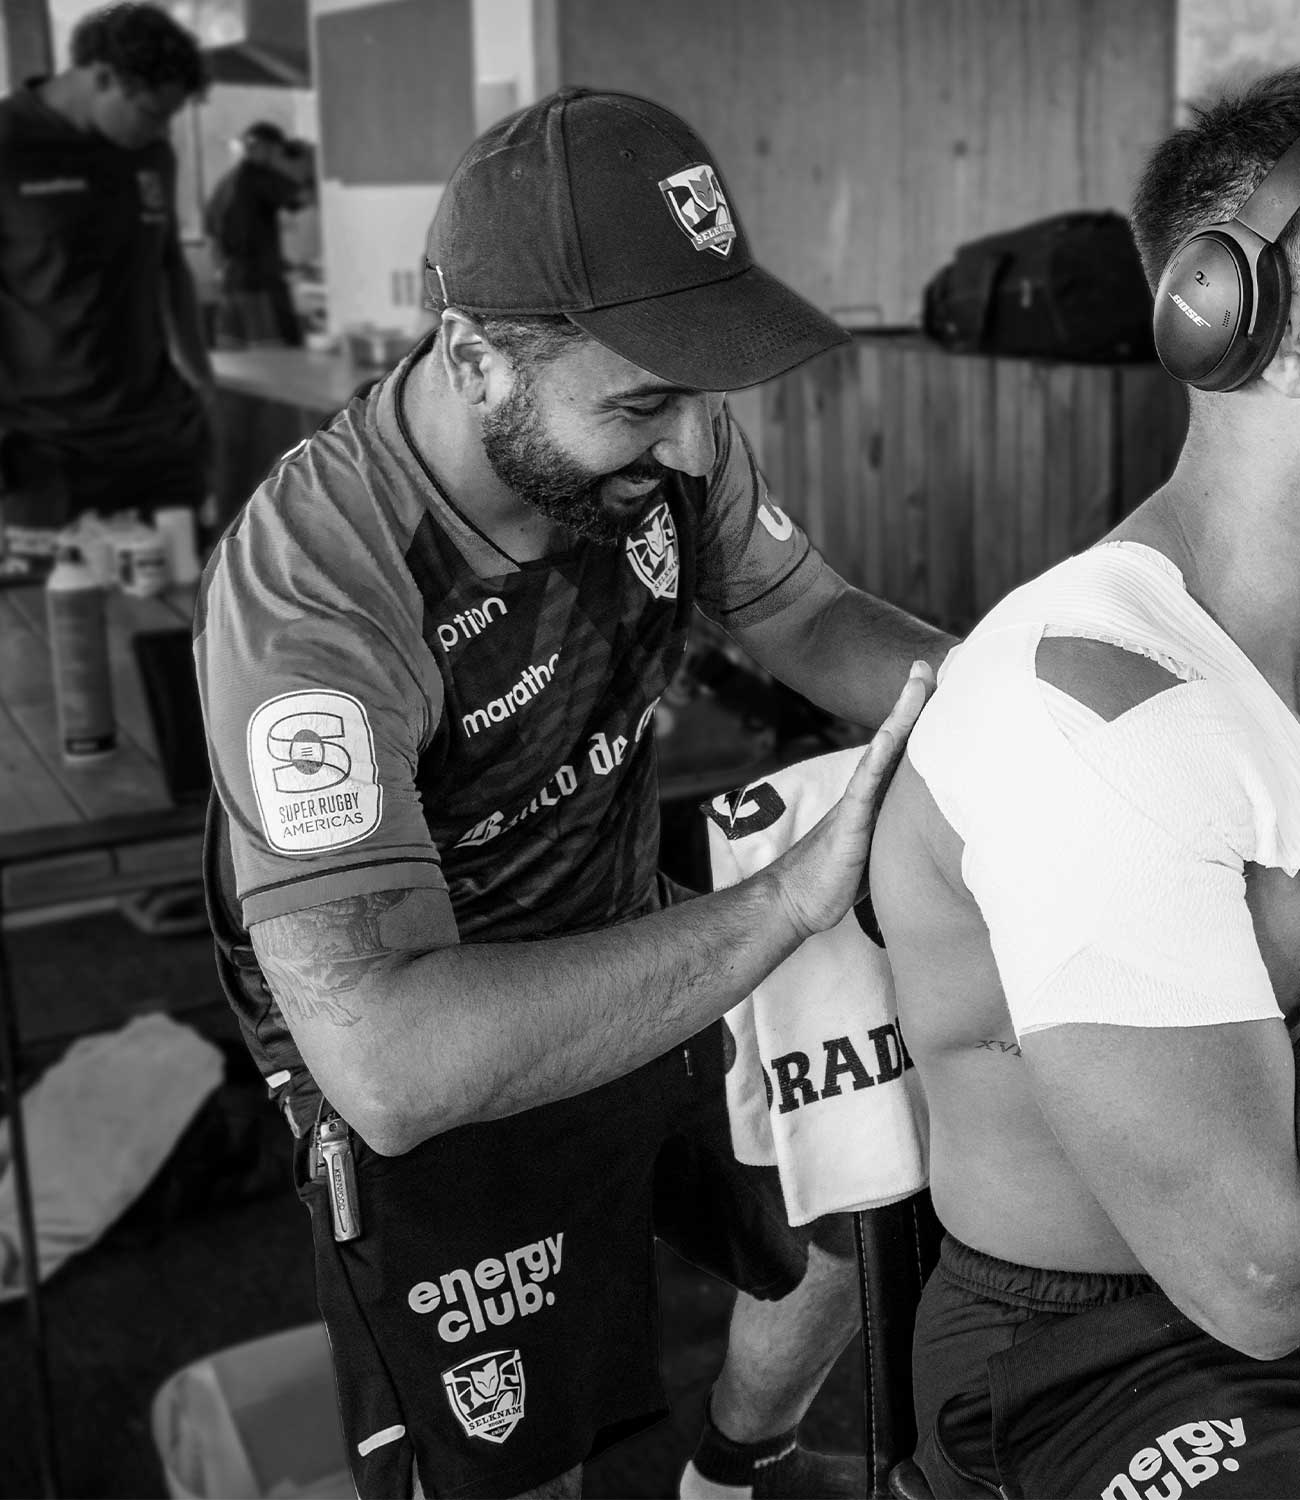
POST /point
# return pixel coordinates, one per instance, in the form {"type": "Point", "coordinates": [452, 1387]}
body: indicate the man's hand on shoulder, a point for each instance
{"type": "Point", "coordinates": [822, 875]}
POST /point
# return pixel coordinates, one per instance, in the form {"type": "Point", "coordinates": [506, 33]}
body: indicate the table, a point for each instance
{"type": "Point", "coordinates": [268, 400]}
{"type": "Point", "coordinates": [70, 834]}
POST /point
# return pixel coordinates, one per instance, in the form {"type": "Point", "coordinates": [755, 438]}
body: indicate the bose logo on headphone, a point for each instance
{"type": "Point", "coordinates": [1232, 285]}
{"type": "Point", "coordinates": [1191, 313]}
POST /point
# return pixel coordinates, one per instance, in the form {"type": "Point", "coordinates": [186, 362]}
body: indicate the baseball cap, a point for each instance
{"type": "Point", "coordinates": [610, 210]}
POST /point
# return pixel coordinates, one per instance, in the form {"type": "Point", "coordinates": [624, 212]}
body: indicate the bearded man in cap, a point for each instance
{"type": "Point", "coordinates": [430, 649]}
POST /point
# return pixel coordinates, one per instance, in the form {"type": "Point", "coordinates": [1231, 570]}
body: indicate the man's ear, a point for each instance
{"type": "Point", "coordinates": [1282, 372]}
{"type": "Point", "coordinates": [102, 77]}
{"type": "Point", "coordinates": [467, 357]}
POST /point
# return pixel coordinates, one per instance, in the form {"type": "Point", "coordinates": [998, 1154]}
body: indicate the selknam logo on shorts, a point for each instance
{"type": "Point", "coordinates": [475, 1299]}
{"type": "Point", "coordinates": [700, 208]}
{"type": "Point", "coordinates": [487, 1394]}
{"type": "Point", "coordinates": [652, 551]}
{"type": "Point", "coordinates": [311, 757]}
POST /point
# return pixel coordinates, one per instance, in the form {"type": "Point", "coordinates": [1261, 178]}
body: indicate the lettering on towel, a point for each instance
{"type": "Point", "coordinates": [840, 1066]}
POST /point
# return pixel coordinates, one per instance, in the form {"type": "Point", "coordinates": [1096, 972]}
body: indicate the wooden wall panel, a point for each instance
{"type": "Point", "coordinates": [957, 477]}
{"type": "Point", "coordinates": [865, 139]}
{"type": "Point", "coordinates": [26, 50]}
{"type": "Point", "coordinates": [395, 90]}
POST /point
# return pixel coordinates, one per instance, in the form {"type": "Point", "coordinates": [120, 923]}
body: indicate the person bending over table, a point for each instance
{"type": "Point", "coordinates": [1085, 873]}
{"type": "Point", "coordinates": [106, 388]}
{"type": "Point", "coordinates": [430, 649]}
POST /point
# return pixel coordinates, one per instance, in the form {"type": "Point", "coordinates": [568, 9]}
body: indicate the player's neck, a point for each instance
{"type": "Point", "coordinates": [1233, 528]}
{"type": "Point", "coordinates": [446, 434]}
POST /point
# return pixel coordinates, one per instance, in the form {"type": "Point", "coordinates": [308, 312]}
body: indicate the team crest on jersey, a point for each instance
{"type": "Point", "coordinates": [487, 1394]}
{"type": "Point", "coordinates": [652, 551]}
{"type": "Point", "coordinates": [311, 757]}
{"type": "Point", "coordinates": [700, 209]}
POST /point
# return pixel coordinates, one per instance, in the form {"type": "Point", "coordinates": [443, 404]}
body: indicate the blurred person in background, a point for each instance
{"type": "Point", "coordinates": [105, 384]}
{"type": "Point", "coordinates": [242, 221]}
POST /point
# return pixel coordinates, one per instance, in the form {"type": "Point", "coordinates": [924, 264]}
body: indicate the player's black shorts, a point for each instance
{"type": "Point", "coordinates": [497, 1321]}
{"type": "Point", "coordinates": [1032, 1382]}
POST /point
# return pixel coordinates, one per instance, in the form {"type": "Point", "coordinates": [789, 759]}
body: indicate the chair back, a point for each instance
{"type": "Point", "coordinates": [898, 1246]}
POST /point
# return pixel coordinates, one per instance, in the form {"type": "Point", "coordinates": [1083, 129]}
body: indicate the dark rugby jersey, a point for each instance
{"type": "Point", "coordinates": [390, 703]}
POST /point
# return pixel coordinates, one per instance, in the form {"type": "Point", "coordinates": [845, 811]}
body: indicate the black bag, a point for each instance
{"type": "Point", "coordinates": [1069, 287]}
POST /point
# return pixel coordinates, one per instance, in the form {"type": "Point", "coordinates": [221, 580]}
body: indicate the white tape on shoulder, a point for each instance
{"type": "Point", "coordinates": [311, 756]}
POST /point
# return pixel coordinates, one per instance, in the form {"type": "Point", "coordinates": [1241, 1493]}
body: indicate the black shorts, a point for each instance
{"type": "Point", "coordinates": [1033, 1382]}
{"type": "Point", "coordinates": [497, 1320]}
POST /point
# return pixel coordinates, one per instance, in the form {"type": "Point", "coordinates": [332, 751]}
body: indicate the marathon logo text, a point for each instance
{"type": "Point", "coordinates": [802, 1080]}
{"type": "Point", "coordinates": [531, 682]}
{"type": "Point", "coordinates": [494, 1293]}
{"type": "Point", "coordinates": [1181, 1459]}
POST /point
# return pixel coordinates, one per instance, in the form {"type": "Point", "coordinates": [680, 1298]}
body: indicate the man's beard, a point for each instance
{"type": "Point", "coordinates": [544, 476]}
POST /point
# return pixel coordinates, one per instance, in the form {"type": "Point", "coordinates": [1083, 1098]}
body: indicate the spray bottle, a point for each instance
{"type": "Point", "coordinates": [78, 629]}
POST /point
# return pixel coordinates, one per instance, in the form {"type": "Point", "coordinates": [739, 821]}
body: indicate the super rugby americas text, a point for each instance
{"type": "Point", "coordinates": [311, 758]}
{"type": "Point", "coordinates": [491, 1294]}
{"type": "Point", "coordinates": [1179, 1460]}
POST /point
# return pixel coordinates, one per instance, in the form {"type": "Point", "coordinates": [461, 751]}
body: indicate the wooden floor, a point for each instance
{"type": "Point", "coordinates": [198, 1266]}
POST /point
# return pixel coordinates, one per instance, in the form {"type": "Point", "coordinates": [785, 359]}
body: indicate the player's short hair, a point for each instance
{"type": "Point", "coordinates": [529, 342]}
{"type": "Point", "coordinates": [1205, 171]}
{"type": "Point", "coordinates": [143, 46]}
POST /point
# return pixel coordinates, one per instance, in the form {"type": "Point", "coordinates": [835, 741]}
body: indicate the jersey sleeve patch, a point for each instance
{"type": "Point", "coordinates": [311, 756]}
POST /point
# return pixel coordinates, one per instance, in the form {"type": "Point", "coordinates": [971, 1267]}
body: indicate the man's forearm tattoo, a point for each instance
{"type": "Point", "coordinates": [1003, 1049]}
{"type": "Point", "coordinates": [312, 958]}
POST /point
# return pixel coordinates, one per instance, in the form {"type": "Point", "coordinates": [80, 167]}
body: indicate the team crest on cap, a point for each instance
{"type": "Point", "coordinates": [487, 1394]}
{"type": "Point", "coordinates": [700, 208]}
{"type": "Point", "coordinates": [652, 551]}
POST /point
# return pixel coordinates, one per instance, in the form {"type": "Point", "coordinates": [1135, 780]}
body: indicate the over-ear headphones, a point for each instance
{"type": "Point", "coordinates": [1223, 301]}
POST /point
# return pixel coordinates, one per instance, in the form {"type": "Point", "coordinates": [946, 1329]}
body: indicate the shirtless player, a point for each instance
{"type": "Point", "coordinates": [1085, 872]}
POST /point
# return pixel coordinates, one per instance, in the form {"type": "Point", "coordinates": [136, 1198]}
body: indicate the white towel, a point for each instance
{"type": "Point", "coordinates": [99, 1124]}
{"type": "Point", "coordinates": [821, 1085]}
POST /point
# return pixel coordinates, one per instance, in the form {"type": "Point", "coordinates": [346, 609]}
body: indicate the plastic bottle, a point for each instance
{"type": "Point", "coordinates": [83, 685]}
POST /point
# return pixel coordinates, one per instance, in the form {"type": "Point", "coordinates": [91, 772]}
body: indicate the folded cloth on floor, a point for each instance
{"type": "Point", "coordinates": [99, 1124]}
{"type": "Point", "coordinates": [820, 1084]}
